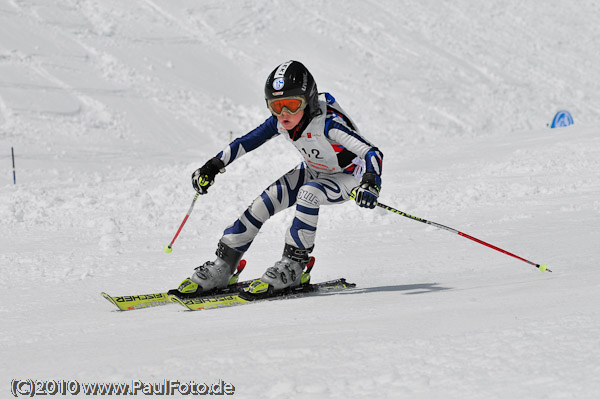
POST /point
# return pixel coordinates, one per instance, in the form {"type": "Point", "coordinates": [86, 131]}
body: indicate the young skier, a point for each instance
{"type": "Point", "coordinates": [339, 163]}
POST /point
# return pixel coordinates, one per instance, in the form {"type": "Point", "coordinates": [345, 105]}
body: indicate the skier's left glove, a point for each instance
{"type": "Point", "coordinates": [367, 193]}
{"type": "Point", "coordinates": [204, 177]}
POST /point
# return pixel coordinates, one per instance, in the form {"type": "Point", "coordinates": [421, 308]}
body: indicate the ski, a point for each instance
{"type": "Point", "coordinates": [241, 298]}
{"type": "Point", "coordinates": [134, 302]}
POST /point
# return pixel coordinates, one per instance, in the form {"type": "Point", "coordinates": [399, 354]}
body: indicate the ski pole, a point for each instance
{"type": "Point", "coordinates": [12, 150]}
{"type": "Point", "coordinates": [542, 268]}
{"type": "Point", "coordinates": [169, 248]}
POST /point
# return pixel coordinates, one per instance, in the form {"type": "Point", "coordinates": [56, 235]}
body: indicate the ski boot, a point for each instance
{"type": "Point", "coordinates": [215, 276]}
{"type": "Point", "coordinates": [286, 274]}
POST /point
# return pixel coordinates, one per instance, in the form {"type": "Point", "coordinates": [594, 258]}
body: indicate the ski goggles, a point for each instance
{"type": "Point", "coordinates": [292, 105]}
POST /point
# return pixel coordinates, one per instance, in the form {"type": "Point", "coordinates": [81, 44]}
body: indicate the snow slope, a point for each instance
{"type": "Point", "coordinates": [111, 105]}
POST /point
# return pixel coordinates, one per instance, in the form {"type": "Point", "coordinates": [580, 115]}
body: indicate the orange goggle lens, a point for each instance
{"type": "Point", "coordinates": [293, 105]}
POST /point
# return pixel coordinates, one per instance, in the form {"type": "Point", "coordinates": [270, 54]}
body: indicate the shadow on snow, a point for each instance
{"type": "Point", "coordinates": [409, 289]}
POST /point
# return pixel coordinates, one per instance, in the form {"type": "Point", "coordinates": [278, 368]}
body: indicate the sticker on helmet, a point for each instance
{"type": "Point", "coordinates": [278, 84]}
{"type": "Point", "coordinates": [280, 72]}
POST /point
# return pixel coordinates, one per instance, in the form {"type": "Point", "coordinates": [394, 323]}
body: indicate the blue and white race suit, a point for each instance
{"type": "Point", "coordinates": [335, 157]}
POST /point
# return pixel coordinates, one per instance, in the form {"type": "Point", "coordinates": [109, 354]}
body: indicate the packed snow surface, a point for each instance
{"type": "Point", "coordinates": [111, 105]}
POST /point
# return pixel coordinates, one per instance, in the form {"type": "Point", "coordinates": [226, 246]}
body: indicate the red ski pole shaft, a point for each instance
{"type": "Point", "coordinates": [542, 268]}
{"type": "Point", "coordinates": [169, 247]}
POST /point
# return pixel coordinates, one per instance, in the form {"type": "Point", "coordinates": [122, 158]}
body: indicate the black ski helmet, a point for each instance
{"type": "Point", "coordinates": [293, 79]}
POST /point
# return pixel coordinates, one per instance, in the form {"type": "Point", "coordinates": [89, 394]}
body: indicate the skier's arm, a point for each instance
{"type": "Point", "coordinates": [336, 130]}
{"type": "Point", "coordinates": [204, 177]}
{"type": "Point", "coordinates": [367, 192]}
{"type": "Point", "coordinates": [250, 141]}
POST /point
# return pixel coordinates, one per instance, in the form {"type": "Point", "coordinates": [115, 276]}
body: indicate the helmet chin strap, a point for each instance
{"type": "Point", "coordinates": [296, 132]}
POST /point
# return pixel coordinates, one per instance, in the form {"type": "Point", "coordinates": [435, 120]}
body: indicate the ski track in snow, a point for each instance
{"type": "Point", "coordinates": [111, 106]}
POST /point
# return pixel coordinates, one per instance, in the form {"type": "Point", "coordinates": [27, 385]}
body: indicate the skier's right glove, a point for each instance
{"type": "Point", "coordinates": [204, 177]}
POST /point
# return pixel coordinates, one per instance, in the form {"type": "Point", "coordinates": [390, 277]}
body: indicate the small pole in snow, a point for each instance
{"type": "Point", "coordinates": [12, 150]}
{"type": "Point", "coordinates": [230, 136]}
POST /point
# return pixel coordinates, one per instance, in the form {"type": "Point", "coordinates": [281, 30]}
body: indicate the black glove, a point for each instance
{"type": "Point", "coordinates": [204, 177]}
{"type": "Point", "coordinates": [367, 193]}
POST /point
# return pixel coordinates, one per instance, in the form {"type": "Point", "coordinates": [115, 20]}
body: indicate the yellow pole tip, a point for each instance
{"type": "Point", "coordinates": [543, 268]}
{"type": "Point", "coordinates": [168, 249]}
